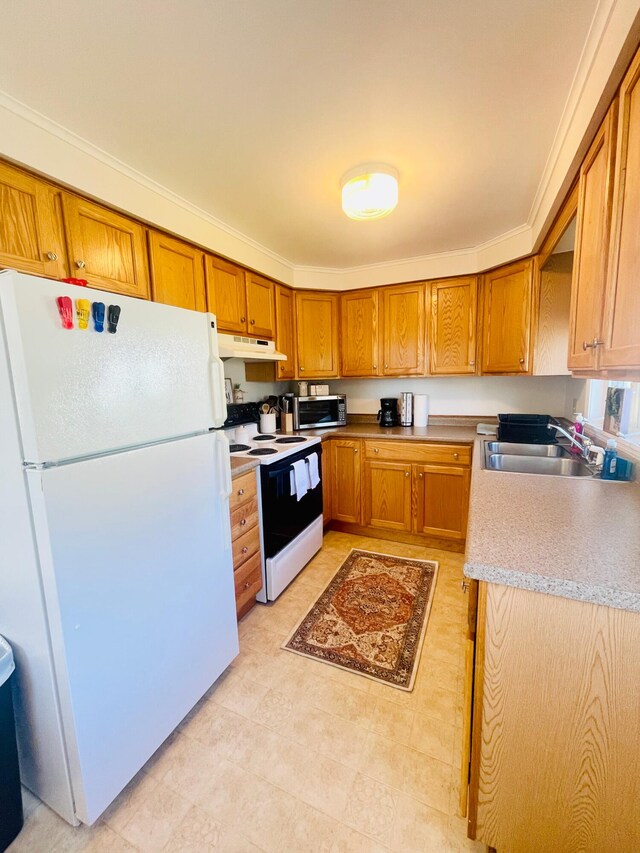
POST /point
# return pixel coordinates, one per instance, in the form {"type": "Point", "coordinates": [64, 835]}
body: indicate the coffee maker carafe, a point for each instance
{"type": "Point", "coordinates": [388, 414]}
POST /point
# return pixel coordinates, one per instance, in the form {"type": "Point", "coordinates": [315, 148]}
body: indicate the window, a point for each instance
{"type": "Point", "coordinates": [623, 417]}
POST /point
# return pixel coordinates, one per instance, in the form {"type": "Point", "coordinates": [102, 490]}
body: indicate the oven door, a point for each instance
{"type": "Point", "coordinates": [283, 516]}
{"type": "Point", "coordinates": [317, 412]}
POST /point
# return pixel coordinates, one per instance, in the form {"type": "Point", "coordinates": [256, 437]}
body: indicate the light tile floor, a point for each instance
{"type": "Point", "coordinates": [288, 755]}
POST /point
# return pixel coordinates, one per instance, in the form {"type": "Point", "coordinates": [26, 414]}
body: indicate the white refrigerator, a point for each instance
{"type": "Point", "coordinates": [116, 576]}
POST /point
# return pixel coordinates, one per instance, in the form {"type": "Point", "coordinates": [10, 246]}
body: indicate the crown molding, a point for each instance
{"type": "Point", "coordinates": [36, 141]}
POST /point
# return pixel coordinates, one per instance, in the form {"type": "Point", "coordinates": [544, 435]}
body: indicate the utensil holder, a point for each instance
{"type": "Point", "coordinates": [268, 423]}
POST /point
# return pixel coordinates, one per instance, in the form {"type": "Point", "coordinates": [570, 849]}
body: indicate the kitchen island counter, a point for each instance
{"type": "Point", "coordinates": [576, 537]}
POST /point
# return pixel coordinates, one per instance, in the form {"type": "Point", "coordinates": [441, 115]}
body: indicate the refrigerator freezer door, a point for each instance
{"type": "Point", "coordinates": [80, 392]}
{"type": "Point", "coordinates": [135, 551]}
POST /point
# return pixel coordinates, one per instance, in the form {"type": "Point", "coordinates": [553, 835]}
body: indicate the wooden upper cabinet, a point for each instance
{"type": "Point", "coordinates": [452, 330]}
{"type": "Point", "coordinates": [403, 330]}
{"type": "Point", "coordinates": [285, 332]}
{"type": "Point", "coordinates": [359, 339]}
{"type": "Point", "coordinates": [317, 334]}
{"type": "Point", "coordinates": [226, 294]}
{"type": "Point", "coordinates": [261, 311]}
{"type": "Point", "coordinates": [591, 247]}
{"type": "Point", "coordinates": [622, 296]}
{"type": "Point", "coordinates": [507, 303]}
{"type": "Point", "coordinates": [105, 248]}
{"type": "Point", "coordinates": [30, 234]}
{"type": "Point", "coordinates": [177, 272]}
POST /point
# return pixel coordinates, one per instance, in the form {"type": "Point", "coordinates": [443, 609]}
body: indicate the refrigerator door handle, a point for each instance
{"type": "Point", "coordinates": [216, 387]}
{"type": "Point", "coordinates": [223, 476]}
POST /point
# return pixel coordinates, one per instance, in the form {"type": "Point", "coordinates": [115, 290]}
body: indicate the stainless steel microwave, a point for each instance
{"type": "Point", "coordinates": [309, 412]}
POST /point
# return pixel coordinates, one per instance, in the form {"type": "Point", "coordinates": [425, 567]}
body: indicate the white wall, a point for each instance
{"type": "Point", "coordinates": [254, 391]}
{"type": "Point", "coordinates": [473, 395]}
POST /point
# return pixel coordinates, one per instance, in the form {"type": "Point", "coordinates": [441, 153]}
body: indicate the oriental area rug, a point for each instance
{"type": "Point", "coordinates": [372, 618]}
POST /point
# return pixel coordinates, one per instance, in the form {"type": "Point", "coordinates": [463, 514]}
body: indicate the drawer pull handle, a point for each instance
{"type": "Point", "coordinates": [456, 456]}
{"type": "Point", "coordinates": [243, 522]}
{"type": "Point", "coordinates": [241, 492]}
{"type": "Point", "coordinates": [464, 586]}
{"type": "Point", "coordinates": [245, 549]}
{"type": "Point", "coordinates": [375, 450]}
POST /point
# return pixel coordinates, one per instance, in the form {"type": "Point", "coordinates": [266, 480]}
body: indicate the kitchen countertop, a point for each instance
{"type": "Point", "coordinates": [242, 464]}
{"type": "Point", "coordinates": [573, 537]}
{"type": "Point", "coordinates": [462, 434]}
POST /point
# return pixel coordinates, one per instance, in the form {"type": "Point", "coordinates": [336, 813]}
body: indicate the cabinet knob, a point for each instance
{"type": "Point", "coordinates": [80, 264]}
{"type": "Point", "coordinates": [245, 549]}
{"type": "Point", "coordinates": [241, 492]}
{"type": "Point", "coordinates": [386, 365]}
{"type": "Point", "coordinates": [472, 364]}
{"type": "Point", "coordinates": [375, 366]}
{"type": "Point", "coordinates": [594, 343]}
{"type": "Point", "coordinates": [355, 449]}
{"type": "Point", "coordinates": [407, 473]}
{"type": "Point", "coordinates": [51, 256]}
{"type": "Point", "coordinates": [247, 585]}
{"type": "Point", "coordinates": [253, 322]}
{"type": "Point", "coordinates": [456, 456]}
{"type": "Point", "coordinates": [464, 586]}
{"type": "Point", "coordinates": [521, 361]}
{"type": "Point", "coordinates": [421, 475]}
{"type": "Point", "coordinates": [243, 522]}
{"type": "Point", "coordinates": [302, 370]}
{"type": "Point", "coordinates": [243, 319]}
{"type": "Point", "coordinates": [375, 450]}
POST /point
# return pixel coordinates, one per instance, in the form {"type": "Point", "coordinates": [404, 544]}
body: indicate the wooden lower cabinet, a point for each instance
{"type": "Point", "coordinates": [405, 490]}
{"type": "Point", "coordinates": [245, 541]}
{"type": "Point", "coordinates": [387, 495]}
{"type": "Point", "coordinates": [556, 711]}
{"type": "Point", "coordinates": [346, 477]}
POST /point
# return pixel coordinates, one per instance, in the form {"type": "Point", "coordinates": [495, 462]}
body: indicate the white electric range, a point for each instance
{"type": "Point", "coordinates": [291, 527]}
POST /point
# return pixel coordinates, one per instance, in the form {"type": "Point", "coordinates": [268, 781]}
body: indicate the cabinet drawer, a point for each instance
{"type": "Point", "coordinates": [245, 546]}
{"type": "Point", "coordinates": [244, 518]}
{"type": "Point", "coordinates": [242, 489]}
{"type": "Point", "coordinates": [248, 581]}
{"type": "Point", "coordinates": [410, 451]}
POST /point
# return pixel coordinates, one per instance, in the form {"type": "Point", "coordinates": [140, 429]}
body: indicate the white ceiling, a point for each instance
{"type": "Point", "coordinates": [253, 109]}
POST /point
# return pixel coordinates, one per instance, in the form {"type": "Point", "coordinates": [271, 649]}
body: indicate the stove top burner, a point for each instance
{"type": "Point", "coordinates": [291, 439]}
{"type": "Point", "coordinates": [263, 437]}
{"type": "Point", "coordinates": [262, 451]}
{"type": "Point", "coordinates": [236, 448]}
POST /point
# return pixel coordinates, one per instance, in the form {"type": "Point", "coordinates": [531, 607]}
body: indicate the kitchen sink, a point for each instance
{"type": "Point", "coordinates": [512, 449]}
{"type": "Point", "coordinates": [521, 464]}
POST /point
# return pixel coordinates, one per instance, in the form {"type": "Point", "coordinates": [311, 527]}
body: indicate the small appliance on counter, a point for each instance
{"type": "Point", "coordinates": [406, 409]}
{"type": "Point", "coordinates": [319, 411]}
{"type": "Point", "coordinates": [527, 429]}
{"type": "Point", "coordinates": [388, 412]}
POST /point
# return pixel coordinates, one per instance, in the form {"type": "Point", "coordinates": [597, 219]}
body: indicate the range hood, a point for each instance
{"type": "Point", "coordinates": [248, 349]}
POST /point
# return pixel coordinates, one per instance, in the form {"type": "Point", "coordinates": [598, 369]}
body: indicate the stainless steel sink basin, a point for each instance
{"type": "Point", "coordinates": [513, 449]}
{"type": "Point", "coordinates": [560, 467]}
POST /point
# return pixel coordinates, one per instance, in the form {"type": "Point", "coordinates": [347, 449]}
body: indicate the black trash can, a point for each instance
{"type": "Point", "coordinates": [11, 818]}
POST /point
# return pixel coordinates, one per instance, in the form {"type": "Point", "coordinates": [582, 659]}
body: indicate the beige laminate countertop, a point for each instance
{"type": "Point", "coordinates": [576, 537]}
{"type": "Point", "coordinates": [242, 464]}
{"type": "Point", "coordinates": [462, 434]}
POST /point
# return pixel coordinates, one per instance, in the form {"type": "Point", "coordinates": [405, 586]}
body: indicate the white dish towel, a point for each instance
{"type": "Point", "coordinates": [314, 476]}
{"type": "Point", "coordinates": [300, 479]}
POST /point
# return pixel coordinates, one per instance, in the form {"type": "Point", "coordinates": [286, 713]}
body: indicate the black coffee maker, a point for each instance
{"type": "Point", "coordinates": [388, 413]}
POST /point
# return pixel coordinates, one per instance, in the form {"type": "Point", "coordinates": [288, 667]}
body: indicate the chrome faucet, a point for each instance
{"type": "Point", "coordinates": [585, 446]}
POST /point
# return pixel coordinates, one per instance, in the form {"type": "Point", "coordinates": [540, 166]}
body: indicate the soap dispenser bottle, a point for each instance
{"type": "Point", "coordinates": [610, 461]}
{"type": "Point", "coordinates": [578, 430]}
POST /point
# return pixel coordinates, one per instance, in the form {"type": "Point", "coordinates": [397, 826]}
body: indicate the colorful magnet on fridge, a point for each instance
{"type": "Point", "coordinates": [113, 317]}
{"type": "Point", "coordinates": [97, 309]}
{"type": "Point", "coordinates": [65, 309]}
{"type": "Point", "coordinates": [83, 307]}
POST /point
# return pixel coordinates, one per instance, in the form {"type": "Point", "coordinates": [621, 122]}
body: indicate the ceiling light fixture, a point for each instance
{"type": "Point", "coordinates": [370, 191]}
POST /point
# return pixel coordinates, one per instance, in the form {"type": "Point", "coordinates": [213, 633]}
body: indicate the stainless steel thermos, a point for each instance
{"type": "Point", "coordinates": [406, 408]}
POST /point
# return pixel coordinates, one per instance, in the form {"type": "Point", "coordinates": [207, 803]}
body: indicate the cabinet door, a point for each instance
{"type": "Point", "coordinates": [30, 237]}
{"type": "Point", "coordinates": [359, 319]}
{"type": "Point", "coordinates": [317, 334]}
{"type": "Point", "coordinates": [452, 338]}
{"type": "Point", "coordinates": [285, 333]}
{"type": "Point", "coordinates": [442, 500]}
{"type": "Point", "coordinates": [622, 296]}
{"type": "Point", "coordinates": [592, 240]}
{"type": "Point", "coordinates": [177, 272]}
{"type": "Point", "coordinates": [261, 311]}
{"type": "Point", "coordinates": [226, 295]}
{"type": "Point", "coordinates": [506, 339]}
{"type": "Point", "coordinates": [403, 326]}
{"type": "Point", "coordinates": [105, 248]}
{"type": "Point", "coordinates": [345, 476]}
{"type": "Point", "coordinates": [387, 495]}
